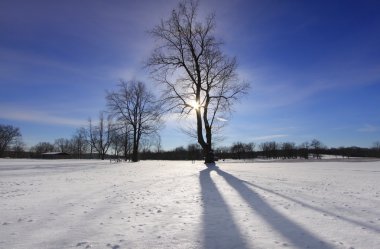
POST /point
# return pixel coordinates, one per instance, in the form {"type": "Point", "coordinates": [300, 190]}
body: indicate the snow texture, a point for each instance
{"type": "Point", "coordinates": [161, 204]}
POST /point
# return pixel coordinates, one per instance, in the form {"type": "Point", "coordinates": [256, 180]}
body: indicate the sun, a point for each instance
{"type": "Point", "coordinates": [195, 105]}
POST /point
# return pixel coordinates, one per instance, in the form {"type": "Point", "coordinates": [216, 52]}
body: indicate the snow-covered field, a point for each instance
{"type": "Point", "coordinates": [162, 204]}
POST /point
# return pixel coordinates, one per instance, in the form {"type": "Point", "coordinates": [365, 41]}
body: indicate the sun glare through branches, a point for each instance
{"type": "Point", "coordinates": [195, 105]}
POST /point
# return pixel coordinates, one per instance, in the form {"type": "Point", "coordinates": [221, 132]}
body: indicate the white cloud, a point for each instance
{"type": "Point", "coordinates": [22, 114]}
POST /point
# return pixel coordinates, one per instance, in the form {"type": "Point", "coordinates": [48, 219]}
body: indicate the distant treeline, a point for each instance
{"type": "Point", "coordinates": [80, 148]}
{"type": "Point", "coordinates": [181, 153]}
{"type": "Point", "coordinates": [267, 150]}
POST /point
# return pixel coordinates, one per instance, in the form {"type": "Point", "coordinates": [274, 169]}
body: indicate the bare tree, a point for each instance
{"type": "Point", "coordinates": [18, 146]}
{"type": "Point", "coordinates": [288, 150]}
{"type": "Point", "coordinates": [194, 151]}
{"type": "Point", "coordinates": [135, 106]}
{"type": "Point", "coordinates": [316, 146]}
{"type": "Point", "coordinates": [376, 149]}
{"type": "Point", "coordinates": [42, 147]}
{"type": "Point", "coordinates": [8, 134]}
{"type": "Point", "coordinates": [238, 150]}
{"type": "Point", "coordinates": [158, 143]}
{"type": "Point", "coordinates": [243, 150]}
{"type": "Point", "coordinates": [100, 135]}
{"type": "Point", "coordinates": [376, 145]}
{"type": "Point", "coordinates": [197, 77]}
{"type": "Point", "coordinates": [145, 145]}
{"type": "Point", "coordinates": [63, 145]}
{"type": "Point", "coordinates": [250, 148]}
{"type": "Point", "coordinates": [151, 144]}
{"type": "Point", "coordinates": [126, 132]}
{"type": "Point", "coordinates": [79, 142]}
{"type": "Point", "coordinates": [117, 140]}
{"type": "Point", "coordinates": [304, 149]}
{"type": "Point", "coordinates": [270, 149]}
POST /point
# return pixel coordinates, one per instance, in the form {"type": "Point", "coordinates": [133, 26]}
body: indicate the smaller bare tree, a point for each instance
{"type": "Point", "coordinates": [100, 135]}
{"type": "Point", "coordinates": [135, 106]}
{"type": "Point", "coordinates": [288, 150]}
{"type": "Point", "coordinates": [243, 150]}
{"type": "Point", "coordinates": [79, 142]}
{"type": "Point", "coordinates": [42, 147]}
{"type": "Point", "coordinates": [117, 141]}
{"type": "Point", "coordinates": [18, 147]}
{"type": "Point", "coordinates": [376, 145]}
{"type": "Point", "coordinates": [194, 152]}
{"type": "Point", "coordinates": [270, 149]}
{"type": "Point", "coordinates": [158, 143]}
{"type": "Point", "coordinates": [8, 134]}
{"type": "Point", "coordinates": [238, 150]}
{"type": "Point", "coordinates": [62, 145]}
{"type": "Point", "coordinates": [304, 149]}
{"type": "Point", "coordinates": [126, 132]}
{"type": "Point", "coordinates": [317, 147]}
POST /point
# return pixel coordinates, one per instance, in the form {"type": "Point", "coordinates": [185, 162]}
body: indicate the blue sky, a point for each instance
{"type": "Point", "coordinates": [313, 66]}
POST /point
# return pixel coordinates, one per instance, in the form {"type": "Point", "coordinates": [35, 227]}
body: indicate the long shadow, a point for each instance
{"type": "Point", "coordinates": [299, 236]}
{"type": "Point", "coordinates": [349, 220]}
{"type": "Point", "coordinates": [219, 228]}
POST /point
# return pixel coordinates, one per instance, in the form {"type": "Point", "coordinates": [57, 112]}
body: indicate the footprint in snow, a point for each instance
{"type": "Point", "coordinates": [83, 244]}
{"type": "Point", "coordinates": [113, 246]}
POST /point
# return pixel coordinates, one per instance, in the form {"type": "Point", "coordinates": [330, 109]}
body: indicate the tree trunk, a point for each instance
{"type": "Point", "coordinates": [135, 149]}
{"type": "Point", "coordinates": [125, 153]}
{"type": "Point", "coordinates": [207, 149]}
{"type": "Point", "coordinates": [126, 146]}
{"type": "Point", "coordinates": [135, 154]}
{"type": "Point", "coordinates": [209, 155]}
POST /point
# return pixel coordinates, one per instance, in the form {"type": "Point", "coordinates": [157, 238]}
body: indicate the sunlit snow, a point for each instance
{"type": "Point", "coordinates": [162, 204]}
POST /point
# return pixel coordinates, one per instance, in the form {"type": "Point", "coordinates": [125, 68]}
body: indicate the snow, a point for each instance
{"type": "Point", "coordinates": [177, 204]}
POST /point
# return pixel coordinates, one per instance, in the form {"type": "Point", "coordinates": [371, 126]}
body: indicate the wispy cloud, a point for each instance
{"type": "Point", "coordinates": [222, 119]}
{"type": "Point", "coordinates": [22, 114]}
{"type": "Point", "coordinates": [268, 137]}
{"type": "Point", "coordinates": [369, 128]}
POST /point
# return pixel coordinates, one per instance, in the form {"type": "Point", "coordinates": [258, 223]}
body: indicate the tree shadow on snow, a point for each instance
{"type": "Point", "coordinates": [317, 209]}
{"type": "Point", "coordinates": [215, 207]}
{"type": "Point", "coordinates": [219, 228]}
